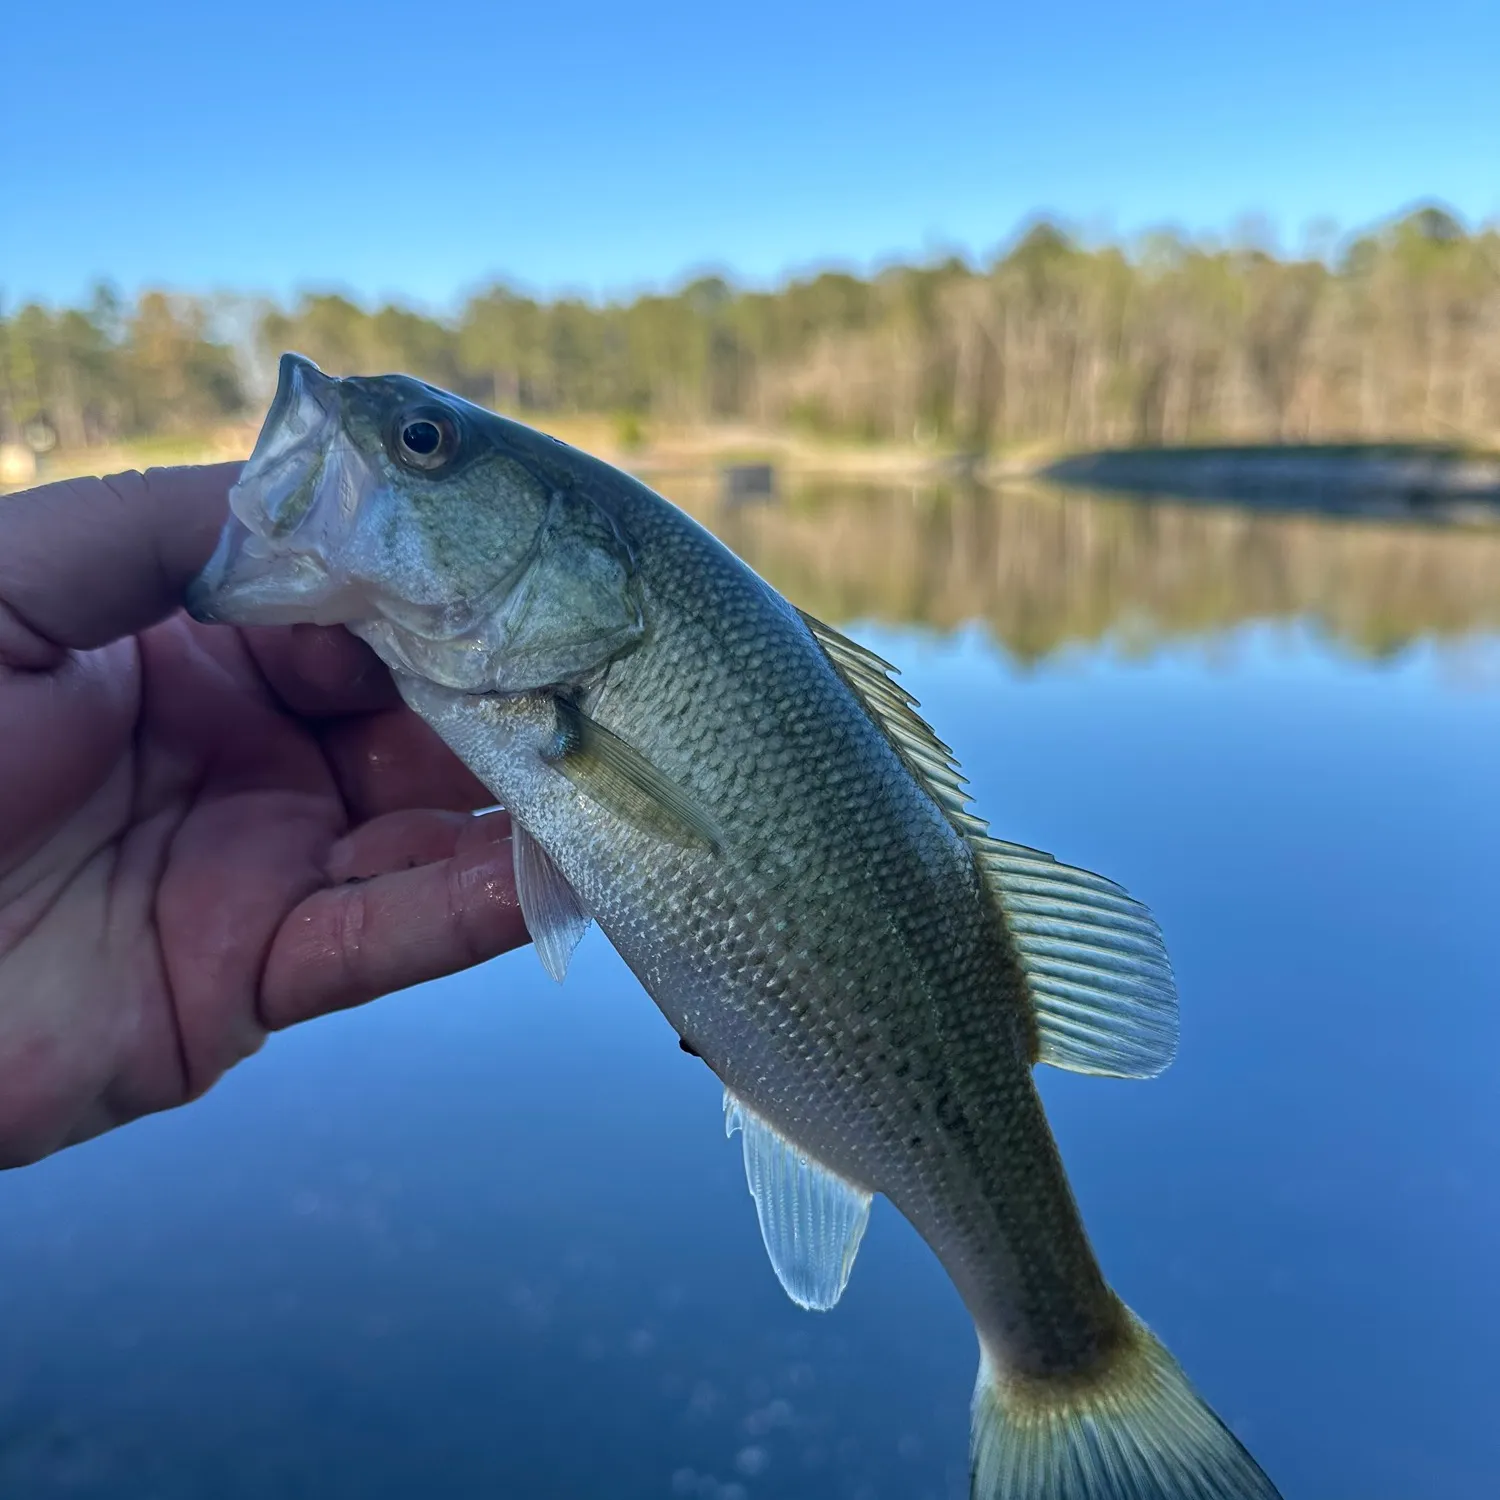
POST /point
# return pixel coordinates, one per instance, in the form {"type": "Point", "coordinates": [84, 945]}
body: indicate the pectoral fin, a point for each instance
{"type": "Point", "coordinates": [555, 917]}
{"type": "Point", "coordinates": [811, 1219]}
{"type": "Point", "coordinates": [603, 767]}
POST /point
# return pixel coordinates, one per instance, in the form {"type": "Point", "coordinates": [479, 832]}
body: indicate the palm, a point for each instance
{"type": "Point", "coordinates": [186, 817]}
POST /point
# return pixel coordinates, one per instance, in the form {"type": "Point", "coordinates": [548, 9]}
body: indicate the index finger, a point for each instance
{"type": "Point", "coordinates": [86, 561]}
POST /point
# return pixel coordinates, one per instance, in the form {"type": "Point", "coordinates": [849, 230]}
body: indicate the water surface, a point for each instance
{"type": "Point", "coordinates": [486, 1238]}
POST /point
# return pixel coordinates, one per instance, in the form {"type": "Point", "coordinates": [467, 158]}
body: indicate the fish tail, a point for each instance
{"type": "Point", "coordinates": [1134, 1429]}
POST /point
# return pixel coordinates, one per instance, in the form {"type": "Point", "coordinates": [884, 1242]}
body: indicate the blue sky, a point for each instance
{"type": "Point", "coordinates": [421, 149]}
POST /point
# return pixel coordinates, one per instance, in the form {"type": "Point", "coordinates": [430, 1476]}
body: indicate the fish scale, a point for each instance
{"type": "Point", "coordinates": [781, 851]}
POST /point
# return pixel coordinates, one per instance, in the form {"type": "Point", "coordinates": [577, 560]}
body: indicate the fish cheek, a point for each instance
{"type": "Point", "coordinates": [576, 607]}
{"type": "Point", "coordinates": [482, 526]}
{"type": "Point", "coordinates": [419, 617]}
{"type": "Point", "coordinates": [386, 550]}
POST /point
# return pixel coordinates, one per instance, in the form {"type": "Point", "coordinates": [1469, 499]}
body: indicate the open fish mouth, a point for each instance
{"type": "Point", "coordinates": [283, 470]}
{"type": "Point", "coordinates": [295, 497]}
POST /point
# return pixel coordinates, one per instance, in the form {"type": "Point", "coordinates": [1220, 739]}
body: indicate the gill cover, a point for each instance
{"type": "Point", "coordinates": [483, 571]}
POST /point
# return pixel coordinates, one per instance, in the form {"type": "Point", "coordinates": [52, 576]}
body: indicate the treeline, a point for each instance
{"type": "Point", "coordinates": [1053, 341]}
{"type": "Point", "coordinates": [79, 377]}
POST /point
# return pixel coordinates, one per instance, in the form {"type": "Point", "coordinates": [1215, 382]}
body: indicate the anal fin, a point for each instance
{"type": "Point", "coordinates": [811, 1219]}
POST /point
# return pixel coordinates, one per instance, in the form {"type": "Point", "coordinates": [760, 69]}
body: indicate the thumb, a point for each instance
{"type": "Point", "coordinates": [86, 561]}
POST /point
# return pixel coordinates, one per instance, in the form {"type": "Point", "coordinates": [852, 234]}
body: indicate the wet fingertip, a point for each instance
{"type": "Point", "coordinates": [493, 824]}
{"type": "Point", "coordinates": [485, 880]}
{"type": "Point", "coordinates": [486, 836]}
{"type": "Point", "coordinates": [403, 840]}
{"type": "Point", "coordinates": [493, 870]}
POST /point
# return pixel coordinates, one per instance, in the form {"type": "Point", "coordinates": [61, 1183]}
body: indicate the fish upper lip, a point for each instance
{"type": "Point", "coordinates": [292, 436]}
{"type": "Point", "coordinates": [296, 376]}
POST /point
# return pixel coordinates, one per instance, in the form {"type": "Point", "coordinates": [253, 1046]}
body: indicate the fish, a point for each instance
{"type": "Point", "coordinates": [754, 812]}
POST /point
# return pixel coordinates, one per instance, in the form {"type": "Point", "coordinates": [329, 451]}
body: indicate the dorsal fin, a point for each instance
{"type": "Point", "coordinates": [1095, 964]}
{"type": "Point", "coordinates": [872, 680]}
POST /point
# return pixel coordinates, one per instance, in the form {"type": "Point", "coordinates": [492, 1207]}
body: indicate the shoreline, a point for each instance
{"type": "Point", "coordinates": [1405, 477]}
{"type": "Point", "coordinates": [1410, 477]}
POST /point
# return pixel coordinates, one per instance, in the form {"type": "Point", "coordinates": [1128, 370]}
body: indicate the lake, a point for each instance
{"type": "Point", "coordinates": [487, 1238]}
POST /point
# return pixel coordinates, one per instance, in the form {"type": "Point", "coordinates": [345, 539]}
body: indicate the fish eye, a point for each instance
{"type": "Point", "coordinates": [425, 439]}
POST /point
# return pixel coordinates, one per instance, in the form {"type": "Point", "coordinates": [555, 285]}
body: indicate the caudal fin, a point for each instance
{"type": "Point", "coordinates": [1135, 1431]}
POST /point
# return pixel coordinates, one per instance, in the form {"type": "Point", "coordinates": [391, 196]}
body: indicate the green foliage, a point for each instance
{"type": "Point", "coordinates": [1052, 343]}
{"type": "Point", "coordinates": [109, 370]}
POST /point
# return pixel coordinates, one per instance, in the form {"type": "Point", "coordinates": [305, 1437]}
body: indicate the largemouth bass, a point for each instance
{"type": "Point", "coordinates": [783, 853]}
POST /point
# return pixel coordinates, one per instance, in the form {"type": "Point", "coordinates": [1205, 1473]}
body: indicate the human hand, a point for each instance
{"type": "Point", "coordinates": [206, 834]}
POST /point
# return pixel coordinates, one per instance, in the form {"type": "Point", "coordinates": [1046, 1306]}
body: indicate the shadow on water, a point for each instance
{"type": "Point", "coordinates": [1043, 568]}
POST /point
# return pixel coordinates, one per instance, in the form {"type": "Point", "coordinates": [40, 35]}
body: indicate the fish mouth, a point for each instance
{"type": "Point", "coordinates": [269, 567]}
{"type": "Point", "coordinates": [247, 582]}
{"type": "Point", "coordinates": [303, 417]}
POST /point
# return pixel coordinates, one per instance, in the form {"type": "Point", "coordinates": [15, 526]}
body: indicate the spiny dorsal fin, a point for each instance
{"type": "Point", "coordinates": [894, 710]}
{"type": "Point", "coordinates": [1095, 963]}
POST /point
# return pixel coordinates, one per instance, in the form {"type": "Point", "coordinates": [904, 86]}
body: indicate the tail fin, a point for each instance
{"type": "Point", "coordinates": [1135, 1431]}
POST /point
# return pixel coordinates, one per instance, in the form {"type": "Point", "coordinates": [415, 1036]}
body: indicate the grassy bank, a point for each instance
{"type": "Point", "coordinates": [660, 449]}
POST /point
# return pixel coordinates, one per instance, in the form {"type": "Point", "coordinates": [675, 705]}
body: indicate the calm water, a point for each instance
{"type": "Point", "coordinates": [486, 1239]}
